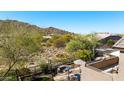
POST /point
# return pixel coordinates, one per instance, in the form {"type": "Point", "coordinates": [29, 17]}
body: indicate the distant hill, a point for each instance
{"type": "Point", "coordinates": [10, 26]}
{"type": "Point", "coordinates": [55, 31]}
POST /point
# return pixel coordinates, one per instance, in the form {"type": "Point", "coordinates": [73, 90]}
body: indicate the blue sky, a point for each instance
{"type": "Point", "coordinates": [74, 21]}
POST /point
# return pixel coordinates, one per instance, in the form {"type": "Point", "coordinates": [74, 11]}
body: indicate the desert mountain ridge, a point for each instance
{"type": "Point", "coordinates": [15, 25]}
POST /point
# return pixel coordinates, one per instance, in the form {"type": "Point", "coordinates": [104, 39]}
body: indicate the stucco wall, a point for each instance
{"type": "Point", "coordinates": [93, 74]}
{"type": "Point", "coordinates": [121, 67]}
{"type": "Point", "coordinates": [116, 53]}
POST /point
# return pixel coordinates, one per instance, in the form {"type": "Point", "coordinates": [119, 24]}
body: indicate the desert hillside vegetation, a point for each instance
{"type": "Point", "coordinates": [22, 45]}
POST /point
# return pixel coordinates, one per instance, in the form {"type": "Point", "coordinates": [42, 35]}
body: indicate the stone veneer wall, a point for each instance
{"type": "Point", "coordinates": [105, 63]}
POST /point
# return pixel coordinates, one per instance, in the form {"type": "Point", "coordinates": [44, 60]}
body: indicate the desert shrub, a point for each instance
{"type": "Point", "coordinates": [43, 78]}
{"type": "Point", "coordinates": [63, 58]}
{"type": "Point", "coordinates": [55, 37]}
{"type": "Point", "coordinates": [83, 54]}
{"type": "Point", "coordinates": [44, 68]}
{"type": "Point", "coordinates": [61, 40]}
{"type": "Point", "coordinates": [110, 42]}
{"type": "Point", "coordinates": [59, 43]}
{"type": "Point", "coordinates": [47, 79]}
{"type": "Point", "coordinates": [73, 46]}
{"type": "Point", "coordinates": [67, 37]}
{"type": "Point", "coordinates": [24, 71]}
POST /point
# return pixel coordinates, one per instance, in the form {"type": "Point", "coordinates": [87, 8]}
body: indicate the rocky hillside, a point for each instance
{"type": "Point", "coordinates": [10, 26]}
{"type": "Point", "coordinates": [47, 53]}
{"type": "Point", "coordinates": [14, 29]}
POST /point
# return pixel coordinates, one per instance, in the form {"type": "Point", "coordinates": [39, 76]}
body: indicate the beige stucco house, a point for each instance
{"type": "Point", "coordinates": [109, 68]}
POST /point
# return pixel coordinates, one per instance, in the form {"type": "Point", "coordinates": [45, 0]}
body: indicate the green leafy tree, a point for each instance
{"type": "Point", "coordinates": [83, 54]}
{"type": "Point", "coordinates": [17, 47]}
{"type": "Point", "coordinates": [110, 42]}
{"type": "Point", "coordinates": [83, 46]}
{"type": "Point", "coordinates": [74, 45]}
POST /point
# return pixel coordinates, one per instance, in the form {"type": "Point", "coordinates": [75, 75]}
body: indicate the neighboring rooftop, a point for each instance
{"type": "Point", "coordinates": [112, 37]}
{"type": "Point", "coordinates": [109, 41]}
{"type": "Point", "coordinates": [119, 44]}
{"type": "Point", "coordinates": [102, 35]}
